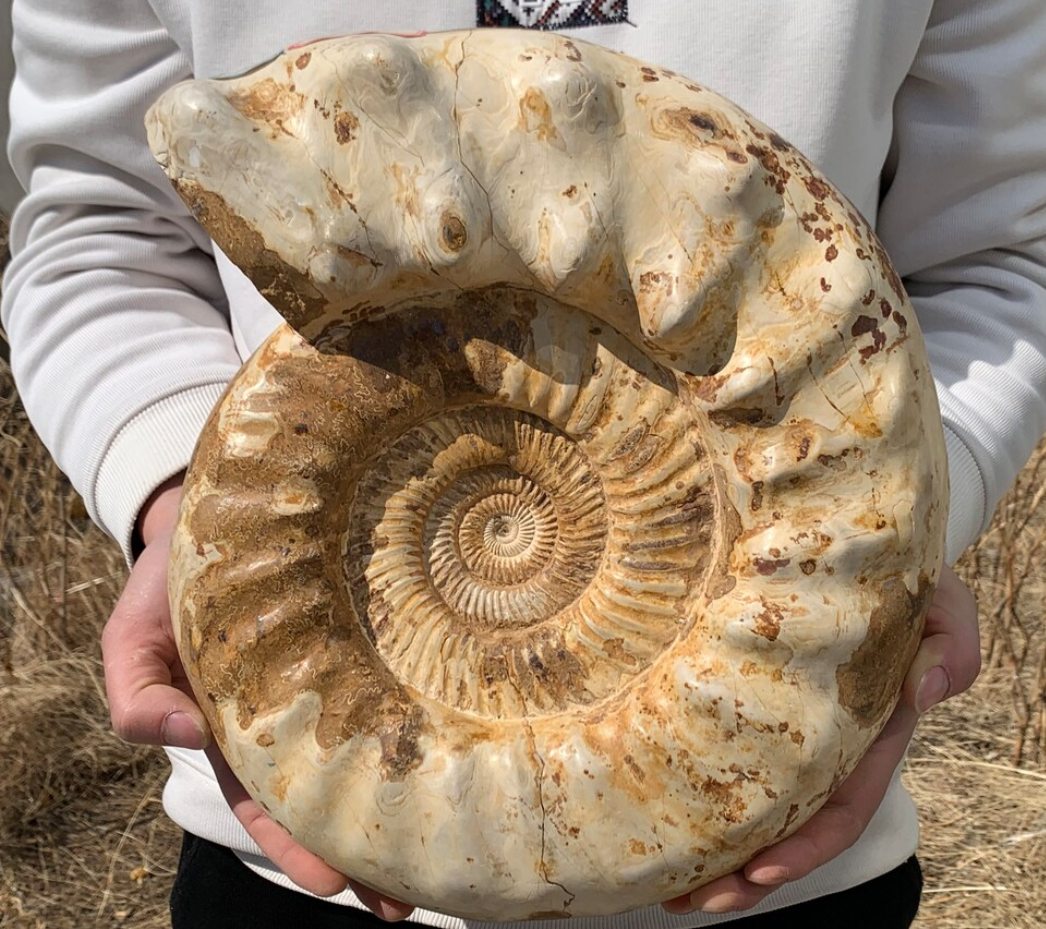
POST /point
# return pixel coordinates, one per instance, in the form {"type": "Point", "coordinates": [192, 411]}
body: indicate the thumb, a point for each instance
{"type": "Point", "coordinates": [148, 693]}
{"type": "Point", "coordinates": [949, 656]}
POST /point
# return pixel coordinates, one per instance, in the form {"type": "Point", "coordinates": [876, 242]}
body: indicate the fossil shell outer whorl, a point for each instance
{"type": "Point", "coordinates": [578, 545]}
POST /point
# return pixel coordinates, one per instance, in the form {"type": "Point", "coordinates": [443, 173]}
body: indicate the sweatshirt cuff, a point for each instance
{"type": "Point", "coordinates": [152, 447]}
{"type": "Point", "coordinates": [967, 506]}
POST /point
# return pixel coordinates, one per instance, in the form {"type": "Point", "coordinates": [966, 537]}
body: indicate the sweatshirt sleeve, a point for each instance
{"type": "Point", "coordinates": [114, 309]}
{"type": "Point", "coordinates": [964, 217]}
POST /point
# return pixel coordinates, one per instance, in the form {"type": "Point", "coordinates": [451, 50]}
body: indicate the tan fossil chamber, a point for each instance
{"type": "Point", "coordinates": [571, 542]}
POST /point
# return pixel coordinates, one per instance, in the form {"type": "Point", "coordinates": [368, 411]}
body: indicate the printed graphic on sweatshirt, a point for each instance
{"type": "Point", "coordinates": [550, 14]}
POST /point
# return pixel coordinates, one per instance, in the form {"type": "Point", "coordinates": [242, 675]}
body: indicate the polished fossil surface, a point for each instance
{"type": "Point", "coordinates": [571, 542]}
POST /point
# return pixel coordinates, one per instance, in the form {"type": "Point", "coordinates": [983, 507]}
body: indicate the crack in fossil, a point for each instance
{"type": "Point", "coordinates": [539, 778]}
{"type": "Point", "coordinates": [831, 403]}
{"type": "Point", "coordinates": [456, 119]}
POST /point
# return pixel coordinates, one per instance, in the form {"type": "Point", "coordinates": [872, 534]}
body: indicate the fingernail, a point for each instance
{"type": "Point", "coordinates": [181, 730]}
{"type": "Point", "coordinates": [768, 876]}
{"type": "Point", "coordinates": [390, 913]}
{"type": "Point", "coordinates": [680, 906]}
{"type": "Point", "coordinates": [933, 688]}
{"type": "Point", "coordinates": [720, 903]}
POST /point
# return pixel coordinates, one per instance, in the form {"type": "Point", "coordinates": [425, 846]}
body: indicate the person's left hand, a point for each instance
{"type": "Point", "coordinates": [948, 661]}
{"type": "Point", "coordinates": [151, 702]}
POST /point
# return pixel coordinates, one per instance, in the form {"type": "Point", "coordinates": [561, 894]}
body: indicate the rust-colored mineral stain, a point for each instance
{"type": "Point", "coordinates": [777, 174]}
{"type": "Point", "coordinates": [268, 101]}
{"type": "Point", "coordinates": [768, 622]}
{"type": "Point", "coordinates": [399, 732]}
{"type": "Point", "coordinates": [793, 814]}
{"type": "Point", "coordinates": [536, 115]}
{"type": "Point", "coordinates": [615, 649]}
{"type": "Point", "coordinates": [346, 125]}
{"type": "Point", "coordinates": [769, 566]}
{"type": "Point", "coordinates": [637, 772]}
{"type": "Point", "coordinates": [657, 283]}
{"type": "Point", "coordinates": [866, 325]}
{"type": "Point", "coordinates": [819, 190]}
{"type": "Point", "coordinates": [871, 680]}
{"type": "Point", "coordinates": [863, 325]}
{"type": "Point", "coordinates": [757, 496]}
{"type": "Point", "coordinates": [573, 52]}
{"type": "Point", "coordinates": [338, 195]}
{"type": "Point", "coordinates": [725, 797]}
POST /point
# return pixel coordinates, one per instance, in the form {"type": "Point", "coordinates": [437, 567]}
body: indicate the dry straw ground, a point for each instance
{"type": "Point", "coordinates": [84, 842]}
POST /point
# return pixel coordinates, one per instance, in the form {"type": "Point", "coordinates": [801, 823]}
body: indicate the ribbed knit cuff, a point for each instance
{"type": "Point", "coordinates": [155, 445]}
{"type": "Point", "coordinates": [967, 507]}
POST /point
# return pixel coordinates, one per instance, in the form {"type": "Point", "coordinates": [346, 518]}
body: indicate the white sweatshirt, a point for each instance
{"type": "Point", "coordinates": [930, 115]}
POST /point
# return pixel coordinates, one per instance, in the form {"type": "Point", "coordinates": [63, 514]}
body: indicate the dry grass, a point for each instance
{"type": "Point", "coordinates": [83, 840]}
{"type": "Point", "coordinates": [977, 769]}
{"type": "Point", "coordinates": [983, 820]}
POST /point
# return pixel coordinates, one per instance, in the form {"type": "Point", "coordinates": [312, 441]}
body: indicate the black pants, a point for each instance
{"type": "Point", "coordinates": [215, 890]}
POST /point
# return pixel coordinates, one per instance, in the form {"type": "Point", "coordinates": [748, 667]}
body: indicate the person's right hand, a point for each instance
{"type": "Point", "coordinates": [150, 702]}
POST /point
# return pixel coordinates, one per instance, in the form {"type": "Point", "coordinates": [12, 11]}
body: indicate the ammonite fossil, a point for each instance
{"type": "Point", "coordinates": [572, 541]}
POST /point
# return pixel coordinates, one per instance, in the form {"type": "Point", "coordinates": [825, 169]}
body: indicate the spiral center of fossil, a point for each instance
{"type": "Point", "coordinates": [538, 548]}
{"type": "Point", "coordinates": [508, 526]}
{"type": "Point", "coordinates": [502, 530]}
{"type": "Point", "coordinates": [480, 565]}
{"type": "Point", "coordinates": [509, 534]}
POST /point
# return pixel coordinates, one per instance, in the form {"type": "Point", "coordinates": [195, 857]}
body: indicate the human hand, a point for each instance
{"type": "Point", "coordinates": [150, 702]}
{"type": "Point", "coordinates": [948, 661]}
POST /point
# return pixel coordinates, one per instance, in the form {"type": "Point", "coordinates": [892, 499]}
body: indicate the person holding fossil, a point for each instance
{"type": "Point", "coordinates": [126, 326]}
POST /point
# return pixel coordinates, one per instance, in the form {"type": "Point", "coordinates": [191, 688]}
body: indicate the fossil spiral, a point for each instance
{"type": "Point", "coordinates": [571, 542]}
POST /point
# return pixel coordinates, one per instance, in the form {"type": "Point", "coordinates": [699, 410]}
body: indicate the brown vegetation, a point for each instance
{"type": "Point", "coordinates": [977, 769]}
{"type": "Point", "coordinates": [83, 839]}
